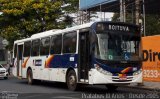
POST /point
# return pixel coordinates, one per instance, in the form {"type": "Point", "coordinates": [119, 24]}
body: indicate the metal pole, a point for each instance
{"type": "Point", "coordinates": [132, 14]}
{"type": "Point", "coordinates": [89, 16]}
{"type": "Point", "coordinates": [105, 17]}
{"type": "Point", "coordinates": [144, 19]}
{"type": "Point", "coordinates": [137, 11]}
{"type": "Point", "coordinates": [82, 17]}
{"type": "Point", "coordinates": [101, 11]}
{"type": "Point", "coordinates": [124, 11]}
{"type": "Point", "coordinates": [121, 10]}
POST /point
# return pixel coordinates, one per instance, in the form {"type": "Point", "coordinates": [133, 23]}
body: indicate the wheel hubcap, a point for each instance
{"type": "Point", "coordinates": [29, 78]}
{"type": "Point", "coordinates": [72, 80]}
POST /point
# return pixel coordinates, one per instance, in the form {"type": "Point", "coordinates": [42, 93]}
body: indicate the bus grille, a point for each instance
{"type": "Point", "coordinates": [121, 80]}
{"type": "Point", "coordinates": [116, 79]}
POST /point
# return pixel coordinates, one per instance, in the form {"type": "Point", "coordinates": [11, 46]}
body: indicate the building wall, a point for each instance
{"type": "Point", "coordinates": [3, 53]}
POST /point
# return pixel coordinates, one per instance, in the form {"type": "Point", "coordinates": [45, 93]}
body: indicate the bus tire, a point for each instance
{"type": "Point", "coordinates": [71, 80]}
{"type": "Point", "coordinates": [6, 77]}
{"type": "Point", "coordinates": [111, 87]}
{"type": "Point", "coordinates": [30, 77]}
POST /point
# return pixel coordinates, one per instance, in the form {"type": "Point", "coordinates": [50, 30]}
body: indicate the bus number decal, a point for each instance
{"type": "Point", "coordinates": [38, 62]}
{"type": "Point", "coordinates": [71, 59]}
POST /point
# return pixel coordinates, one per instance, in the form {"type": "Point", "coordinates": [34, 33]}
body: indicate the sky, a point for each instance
{"type": "Point", "coordinates": [107, 16]}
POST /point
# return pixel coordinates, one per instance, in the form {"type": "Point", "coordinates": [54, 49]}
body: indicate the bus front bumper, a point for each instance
{"type": "Point", "coordinates": [95, 77]}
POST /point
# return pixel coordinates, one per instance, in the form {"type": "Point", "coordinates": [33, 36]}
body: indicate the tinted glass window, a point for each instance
{"type": "Point", "coordinates": [35, 47]}
{"type": "Point", "coordinates": [45, 42]}
{"type": "Point", "coordinates": [15, 50]}
{"type": "Point", "coordinates": [27, 48]}
{"type": "Point", "coordinates": [69, 42]}
{"type": "Point", "coordinates": [20, 52]}
{"type": "Point", "coordinates": [56, 44]}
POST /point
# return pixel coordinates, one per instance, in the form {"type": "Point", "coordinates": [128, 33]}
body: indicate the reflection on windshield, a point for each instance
{"type": "Point", "coordinates": [117, 47]}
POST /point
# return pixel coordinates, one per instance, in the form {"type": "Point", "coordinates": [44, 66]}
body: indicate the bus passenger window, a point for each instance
{"type": "Point", "coordinates": [27, 47]}
{"type": "Point", "coordinates": [44, 48]}
{"type": "Point", "coordinates": [69, 42]}
{"type": "Point", "coordinates": [15, 51]}
{"type": "Point", "coordinates": [56, 44]}
{"type": "Point", "coordinates": [35, 47]}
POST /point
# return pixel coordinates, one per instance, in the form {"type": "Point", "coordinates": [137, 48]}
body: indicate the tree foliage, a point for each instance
{"type": "Point", "coordinates": [22, 18]}
{"type": "Point", "coordinates": [152, 23]}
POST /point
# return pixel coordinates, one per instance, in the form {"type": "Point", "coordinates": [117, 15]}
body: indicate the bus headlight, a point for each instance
{"type": "Point", "coordinates": [137, 72]}
{"type": "Point", "coordinates": [101, 70]}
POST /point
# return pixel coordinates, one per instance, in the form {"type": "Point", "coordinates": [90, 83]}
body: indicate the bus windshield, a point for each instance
{"type": "Point", "coordinates": [117, 47]}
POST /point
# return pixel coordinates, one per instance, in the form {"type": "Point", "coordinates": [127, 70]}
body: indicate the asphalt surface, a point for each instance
{"type": "Point", "coordinates": [15, 88]}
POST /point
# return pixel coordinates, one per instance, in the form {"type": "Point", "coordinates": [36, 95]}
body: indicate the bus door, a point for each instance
{"type": "Point", "coordinates": [19, 59]}
{"type": "Point", "coordinates": [83, 61]}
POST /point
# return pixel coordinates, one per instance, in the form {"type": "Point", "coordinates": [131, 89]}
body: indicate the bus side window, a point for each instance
{"type": "Point", "coordinates": [35, 47]}
{"type": "Point", "coordinates": [69, 42]}
{"type": "Point", "coordinates": [14, 54]}
{"type": "Point", "coordinates": [15, 51]}
{"type": "Point", "coordinates": [27, 48]}
{"type": "Point", "coordinates": [56, 44]}
{"type": "Point", "coordinates": [44, 48]}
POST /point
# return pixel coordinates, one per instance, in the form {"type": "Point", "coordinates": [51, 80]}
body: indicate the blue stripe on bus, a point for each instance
{"type": "Point", "coordinates": [64, 61]}
{"type": "Point", "coordinates": [71, 60]}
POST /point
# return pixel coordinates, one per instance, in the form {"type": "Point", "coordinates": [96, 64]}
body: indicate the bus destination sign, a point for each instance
{"type": "Point", "coordinates": [118, 28]}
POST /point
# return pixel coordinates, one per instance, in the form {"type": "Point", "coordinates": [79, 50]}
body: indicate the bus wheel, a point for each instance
{"type": "Point", "coordinates": [71, 80]}
{"type": "Point", "coordinates": [111, 87]}
{"type": "Point", "coordinates": [6, 77]}
{"type": "Point", "coordinates": [30, 77]}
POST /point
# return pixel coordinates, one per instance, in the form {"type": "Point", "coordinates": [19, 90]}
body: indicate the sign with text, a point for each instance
{"type": "Point", "coordinates": [151, 58]}
{"type": "Point", "coordinates": [117, 27]}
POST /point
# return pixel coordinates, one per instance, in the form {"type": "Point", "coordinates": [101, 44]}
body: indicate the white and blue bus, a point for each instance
{"type": "Point", "coordinates": [107, 53]}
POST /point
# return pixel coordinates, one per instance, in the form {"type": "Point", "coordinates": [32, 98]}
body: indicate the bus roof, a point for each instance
{"type": "Point", "coordinates": [58, 31]}
{"type": "Point", "coordinates": [54, 32]}
{"type": "Point", "coordinates": [22, 40]}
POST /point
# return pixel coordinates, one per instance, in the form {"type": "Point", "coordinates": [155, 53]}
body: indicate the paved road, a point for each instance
{"type": "Point", "coordinates": [14, 87]}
